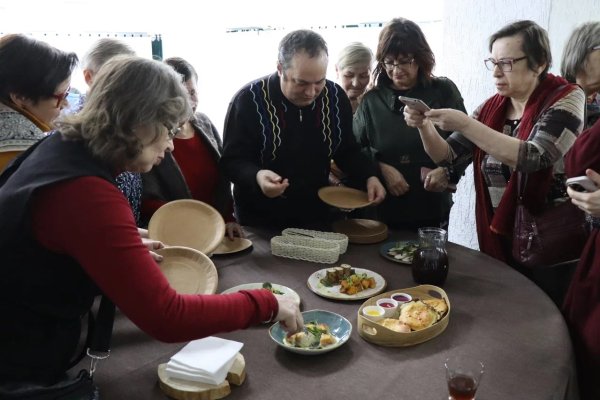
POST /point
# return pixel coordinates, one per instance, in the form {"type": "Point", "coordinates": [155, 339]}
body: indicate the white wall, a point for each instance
{"type": "Point", "coordinates": [467, 27]}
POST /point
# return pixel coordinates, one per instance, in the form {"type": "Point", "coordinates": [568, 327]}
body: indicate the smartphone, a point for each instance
{"type": "Point", "coordinates": [417, 104]}
{"type": "Point", "coordinates": [582, 184]}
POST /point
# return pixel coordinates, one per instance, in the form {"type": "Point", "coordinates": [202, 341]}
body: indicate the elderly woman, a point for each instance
{"type": "Point", "coordinates": [527, 126]}
{"type": "Point", "coordinates": [404, 68]}
{"type": "Point", "coordinates": [353, 69]}
{"type": "Point", "coordinates": [34, 84]}
{"type": "Point", "coordinates": [67, 231]}
{"type": "Point", "coordinates": [581, 63]}
{"type": "Point", "coordinates": [191, 170]}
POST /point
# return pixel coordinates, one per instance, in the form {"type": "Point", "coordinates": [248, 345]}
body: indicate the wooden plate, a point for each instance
{"type": "Point", "coordinates": [228, 246]}
{"type": "Point", "coordinates": [280, 288]}
{"type": "Point", "coordinates": [188, 270]}
{"type": "Point", "coordinates": [362, 231]}
{"type": "Point", "coordinates": [188, 223]}
{"type": "Point", "coordinates": [344, 197]}
{"type": "Point", "coordinates": [333, 292]}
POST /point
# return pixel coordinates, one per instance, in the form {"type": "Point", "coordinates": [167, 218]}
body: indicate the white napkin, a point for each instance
{"type": "Point", "coordinates": [205, 360]}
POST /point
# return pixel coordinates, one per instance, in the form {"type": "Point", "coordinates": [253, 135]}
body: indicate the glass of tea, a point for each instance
{"type": "Point", "coordinates": [430, 261]}
{"type": "Point", "coordinates": [463, 374]}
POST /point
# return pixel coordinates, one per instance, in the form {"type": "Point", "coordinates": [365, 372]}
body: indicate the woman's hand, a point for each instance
{"type": "Point", "coordinates": [394, 180]}
{"type": "Point", "coordinates": [414, 117]}
{"type": "Point", "coordinates": [153, 245]}
{"type": "Point", "coordinates": [233, 229]}
{"type": "Point", "coordinates": [587, 201]}
{"type": "Point", "coordinates": [436, 180]}
{"type": "Point", "coordinates": [448, 119]}
{"type": "Point", "coordinates": [271, 184]}
{"type": "Point", "coordinates": [289, 314]}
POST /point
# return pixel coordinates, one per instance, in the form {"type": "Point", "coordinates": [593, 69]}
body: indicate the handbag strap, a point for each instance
{"type": "Point", "coordinates": [99, 345]}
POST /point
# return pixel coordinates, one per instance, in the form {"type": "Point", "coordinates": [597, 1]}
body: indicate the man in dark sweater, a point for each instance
{"type": "Point", "coordinates": [281, 133]}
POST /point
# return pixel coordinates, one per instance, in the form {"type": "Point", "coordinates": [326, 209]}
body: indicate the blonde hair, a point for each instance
{"type": "Point", "coordinates": [354, 54]}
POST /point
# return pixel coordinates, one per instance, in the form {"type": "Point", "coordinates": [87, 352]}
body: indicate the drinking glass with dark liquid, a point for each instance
{"type": "Point", "coordinates": [430, 261]}
{"type": "Point", "coordinates": [463, 374]}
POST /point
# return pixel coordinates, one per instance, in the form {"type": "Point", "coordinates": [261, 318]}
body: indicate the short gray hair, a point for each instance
{"type": "Point", "coordinates": [582, 40]}
{"type": "Point", "coordinates": [354, 54]}
{"type": "Point", "coordinates": [102, 51]}
{"type": "Point", "coordinates": [296, 41]}
{"type": "Point", "coordinates": [128, 92]}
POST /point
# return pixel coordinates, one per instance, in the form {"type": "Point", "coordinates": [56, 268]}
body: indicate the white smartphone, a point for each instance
{"type": "Point", "coordinates": [417, 104]}
{"type": "Point", "coordinates": [582, 184]}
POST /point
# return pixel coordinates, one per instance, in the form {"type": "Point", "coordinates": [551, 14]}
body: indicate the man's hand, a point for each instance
{"type": "Point", "coordinates": [394, 180]}
{"type": "Point", "coordinates": [271, 184]}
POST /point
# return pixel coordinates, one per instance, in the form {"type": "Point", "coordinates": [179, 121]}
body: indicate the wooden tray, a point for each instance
{"type": "Point", "coordinates": [379, 334]}
{"type": "Point", "coordinates": [188, 390]}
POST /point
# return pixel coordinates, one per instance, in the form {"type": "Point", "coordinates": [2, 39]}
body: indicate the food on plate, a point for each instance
{"type": "Point", "coordinates": [403, 251]}
{"type": "Point", "coordinates": [268, 286]}
{"type": "Point", "coordinates": [439, 305]}
{"type": "Point", "coordinates": [418, 315]}
{"type": "Point", "coordinates": [315, 336]}
{"type": "Point", "coordinates": [350, 282]}
{"type": "Point", "coordinates": [395, 325]}
{"type": "Point", "coordinates": [333, 276]}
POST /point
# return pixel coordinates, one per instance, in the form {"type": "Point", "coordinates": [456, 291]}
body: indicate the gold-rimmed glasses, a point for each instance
{"type": "Point", "coordinates": [61, 96]}
{"type": "Point", "coordinates": [172, 132]}
{"type": "Point", "coordinates": [505, 64]}
{"type": "Point", "coordinates": [390, 65]}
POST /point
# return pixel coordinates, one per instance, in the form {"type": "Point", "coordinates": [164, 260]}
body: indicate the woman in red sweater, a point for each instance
{"type": "Point", "coordinates": [191, 170]}
{"type": "Point", "coordinates": [71, 232]}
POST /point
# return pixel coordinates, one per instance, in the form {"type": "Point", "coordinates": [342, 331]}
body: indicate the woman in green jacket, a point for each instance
{"type": "Point", "coordinates": [419, 191]}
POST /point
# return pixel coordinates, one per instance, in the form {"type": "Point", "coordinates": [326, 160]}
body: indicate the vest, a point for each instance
{"type": "Point", "coordinates": [43, 295]}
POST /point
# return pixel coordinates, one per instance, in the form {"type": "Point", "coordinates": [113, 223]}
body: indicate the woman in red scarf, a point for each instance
{"type": "Point", "coordinates": [581, 62]}
{"type": "Point", "coordinates": [527, 126]}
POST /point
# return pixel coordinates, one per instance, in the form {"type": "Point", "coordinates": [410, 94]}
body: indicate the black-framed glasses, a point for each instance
{"type": "Point", "coordinates": [390, 66]}
{"type": "Point", "coordinates": [505, 64]}
{"type": "Point", "coordinates": [61, 96]}
{"type": "Point", "coordinates": [172, 132]}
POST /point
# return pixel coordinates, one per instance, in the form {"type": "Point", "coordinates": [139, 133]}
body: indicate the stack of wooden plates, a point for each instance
{"type": "Point", "coordinates": [363, 231]}
{"type": "Point", "coordinates": [188, 223]}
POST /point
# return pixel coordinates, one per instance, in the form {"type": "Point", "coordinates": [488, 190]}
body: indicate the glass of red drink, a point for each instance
{"type": "Point", "coordinates": [463, 375]}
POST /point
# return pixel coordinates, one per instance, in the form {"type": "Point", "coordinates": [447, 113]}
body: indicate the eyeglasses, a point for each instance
{"type": "Point", "coordinates": [505, 64]}
{"type": "Point", "coordinates": [172, 132]}
{"type": "Point", "coordinates": [402, 64]}
{"type": "Point", "coordinates": [596, 48]}
{"type": "Point", "coordinates": [61, 96]}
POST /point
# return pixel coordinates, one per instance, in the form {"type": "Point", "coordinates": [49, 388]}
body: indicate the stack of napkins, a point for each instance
{"type": "Point", "coordinates": [205, 360]}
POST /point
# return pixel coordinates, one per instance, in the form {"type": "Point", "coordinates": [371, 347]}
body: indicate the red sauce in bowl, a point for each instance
{"type": "Point", "coordinates": [400, 298]}
{"type": "Point", "coordinates": [386, 305]}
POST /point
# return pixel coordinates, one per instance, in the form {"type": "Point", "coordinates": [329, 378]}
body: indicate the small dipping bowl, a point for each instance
{"type": "Point", "coordinates": [401, 298]}
{"type": "Point", "coordinates": [389, 305]}
{"type": "Point", "coordinates": [374, 313]}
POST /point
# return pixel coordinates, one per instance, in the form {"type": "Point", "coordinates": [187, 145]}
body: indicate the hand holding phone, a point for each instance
{"type": "Point", "coordinates": [582, 184]}
{"type": "Point", "coordinates": [417, 104]}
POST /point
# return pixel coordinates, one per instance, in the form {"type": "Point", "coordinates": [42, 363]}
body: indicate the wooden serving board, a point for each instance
{"type": "Point", "coordinates": [180, 389]}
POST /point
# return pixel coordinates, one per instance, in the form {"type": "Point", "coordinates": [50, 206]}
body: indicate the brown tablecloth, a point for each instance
{"type": "Point", "coordinates": [497, 315]}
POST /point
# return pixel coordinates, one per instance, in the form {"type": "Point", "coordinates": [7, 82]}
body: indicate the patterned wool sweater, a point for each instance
{"type": "Point", "coordinates": [264, 130]}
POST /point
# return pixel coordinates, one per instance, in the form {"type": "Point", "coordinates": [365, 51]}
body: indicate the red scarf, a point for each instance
{"type": "Point", "coordinates": [491, 226]}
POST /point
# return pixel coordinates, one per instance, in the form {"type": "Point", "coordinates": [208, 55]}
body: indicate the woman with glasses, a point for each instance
{"type": "Point", "coordinates": [68, 232]}
{"type": "Point", "coordinates": [34, 84]}
{"type": "Point", "coordinates": [417, 187]}
{"type": "Point", "coordinates": [527, 126]}
{"type": "Point", "coordinates": [581, 64]}
{"type": "Point", "coordinates": [191, 170]}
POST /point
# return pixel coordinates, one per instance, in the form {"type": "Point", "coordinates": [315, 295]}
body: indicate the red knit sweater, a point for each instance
{"type": "Point", "coordinates": [89, 219]}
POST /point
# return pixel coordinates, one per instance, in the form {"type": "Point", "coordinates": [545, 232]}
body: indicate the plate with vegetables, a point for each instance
{"type": "Point", "coordinates": [323, 331]}
{"type": "Point", "coordinates": [401, 251]}
{"type": "Point", "coordinates": [273, 287]}
{"type": "Point", "coordinates": [346, 283]}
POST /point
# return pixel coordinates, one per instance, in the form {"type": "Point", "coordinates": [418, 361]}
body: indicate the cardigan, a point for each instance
{"type": "Point", "coordinates": [165, 182]}
{"type": "Point", "coordinates": [264, 130]}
